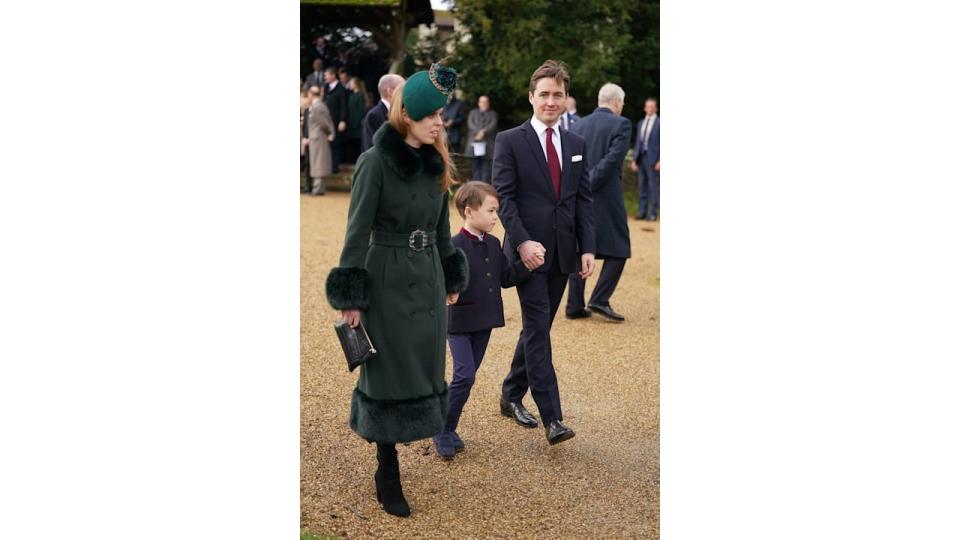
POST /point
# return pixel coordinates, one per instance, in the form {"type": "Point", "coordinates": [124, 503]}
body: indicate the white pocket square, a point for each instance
{"type": "Point", "coordinates": [576, 158]}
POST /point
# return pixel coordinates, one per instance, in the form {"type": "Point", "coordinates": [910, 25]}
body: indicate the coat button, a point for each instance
{"type": "Point", "coordinates": [414, 196]}
{"type": "Point", "coordinates": [490, 290]}
{"type": "Point", "coordinates": [488, 274]}
{"type": "Point", "coordinates": [409, 254]}
{"type": "Point", "coordinates": [429, 253]}
{"type": "Point", "coordinates": [486, 259]}
{"type": "Point", "coordinates": [432, 313]}
{"type": "Point", "coordinates": [430, 281]}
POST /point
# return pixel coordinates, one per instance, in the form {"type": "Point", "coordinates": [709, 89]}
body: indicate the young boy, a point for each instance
{"type": "Point", "coordinates": [480, 306]}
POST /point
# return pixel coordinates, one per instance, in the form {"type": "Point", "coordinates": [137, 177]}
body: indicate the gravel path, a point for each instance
{"type": "Point", "coordinates": [508, 483]}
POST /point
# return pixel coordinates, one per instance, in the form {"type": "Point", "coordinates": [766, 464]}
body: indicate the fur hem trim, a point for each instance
{"type": "Point", "coordinates": [404, 159]}
{"type": "Point", "coordinates": [349, 288]}
{"type": "Point", "coordinates": [389, 421]}
{"type": "Point", "coordinates": [456, 272]}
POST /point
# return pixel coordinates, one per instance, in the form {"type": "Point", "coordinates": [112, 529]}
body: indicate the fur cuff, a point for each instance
{"type": "Point", "coordinates": [390, 421]}
{"type": "Point", "coordinates": [348, 288]}
{"type": "Point", "coordinates": [456, 273]}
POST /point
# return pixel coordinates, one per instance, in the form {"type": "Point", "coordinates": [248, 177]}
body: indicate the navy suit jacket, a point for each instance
{"type": "Point", "coordinates": [371, 123]}
{"type": "Point", "coordinates": [529, 208]}
{"type": "Point", "coordinates": [653, 143]}
{"type": "Point", "coordinates": [480, 306]}
{"type": "Point", "coordinates": [608, 138]}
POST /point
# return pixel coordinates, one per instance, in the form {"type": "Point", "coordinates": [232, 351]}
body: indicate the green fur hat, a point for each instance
{"type": "Point", "coordinates": [426, 91]}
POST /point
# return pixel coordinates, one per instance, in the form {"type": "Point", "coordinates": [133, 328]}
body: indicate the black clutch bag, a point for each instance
{"type": "Point", "coordinates": [355, 342]}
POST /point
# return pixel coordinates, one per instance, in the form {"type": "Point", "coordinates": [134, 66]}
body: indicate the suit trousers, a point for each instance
{"type": "Point", "coordinates": [481, 169]}
{"type": "Point", "coordinates": [467, 351]}
{"type": "Point", "coordinates": [649, 187]}
{"type": "Point", "coordinates": [606, 284]}
{"type": "Point", "coordinates": [336, 151]}
{"type": "Point", "coordinates": [532, 366]}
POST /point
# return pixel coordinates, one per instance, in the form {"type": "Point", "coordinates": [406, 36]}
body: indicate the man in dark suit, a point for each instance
{"type": "Point", "coordinates": [646, 160]}
{"type": "Point", "coordinates": [454, 115]}
{"type": "Point", "coordinates": [377, 115]}
{"type": "Point", "coordinates": [335, 98]}
{"type": "Point", "coordinates": [570, 116]}
{"type": "Point", "coordinates": [608, 139]}
{"type": "Point", "coordinates": [319, 49]}
{"type": "Point", "coordinates": [546, 209]}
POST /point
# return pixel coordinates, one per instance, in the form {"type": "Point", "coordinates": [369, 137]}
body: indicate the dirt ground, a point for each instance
{"type": "Point", "coordinates": [508, 483]}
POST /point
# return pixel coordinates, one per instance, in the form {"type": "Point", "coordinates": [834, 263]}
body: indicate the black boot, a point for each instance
{"type": "Point", "coordinates": [387, 478]}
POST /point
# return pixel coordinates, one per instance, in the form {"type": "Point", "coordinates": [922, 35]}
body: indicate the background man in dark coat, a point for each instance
{"type": "Point", "coordinates": [453, 116]}
{"type": "Point", "coordinates": [335, 98]}
{"type": "Point", "coordinates": [646, 159]}
{"type": "Point", "coordinates": [608, 139]}
{"type": "Point", "coordinates": [570, 117]}
{"type": "Point", "coordinates": [378, 114]}
{"type": "Point", "coordinates": [546, 209]}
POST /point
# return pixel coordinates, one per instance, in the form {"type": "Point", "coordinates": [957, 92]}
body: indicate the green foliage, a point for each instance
{"type": "Point", "coordinates": [502, 42]}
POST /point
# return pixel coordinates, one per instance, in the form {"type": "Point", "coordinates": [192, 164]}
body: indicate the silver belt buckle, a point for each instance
{"type": "Point", "coordinates": [413, 240]}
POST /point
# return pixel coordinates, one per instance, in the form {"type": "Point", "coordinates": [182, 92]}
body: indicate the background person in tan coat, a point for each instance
{"type": "Point", "coordinates": [320, 132]}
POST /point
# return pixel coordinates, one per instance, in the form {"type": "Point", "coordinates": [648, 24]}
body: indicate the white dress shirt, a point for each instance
{"type": "Point", "coordinates": [386, 104]}
{"type": "Point", "coordinates": [646, 128]}
{"type": "Point", "coordinates": [541, 130]}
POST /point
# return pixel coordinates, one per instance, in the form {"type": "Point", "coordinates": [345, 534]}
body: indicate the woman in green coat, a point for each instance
{"type": "Point", "coordinates": [398, 272]}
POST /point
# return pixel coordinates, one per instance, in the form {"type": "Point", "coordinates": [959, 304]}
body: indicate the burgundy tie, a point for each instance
{"type": "Point", "coordinates": [553, 163]}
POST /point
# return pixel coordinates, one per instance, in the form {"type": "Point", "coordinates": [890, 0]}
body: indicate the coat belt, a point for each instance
{"type": "Point", "coordinates": [416, 240]}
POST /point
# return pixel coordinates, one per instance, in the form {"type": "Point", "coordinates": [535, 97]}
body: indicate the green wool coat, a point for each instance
{"type": "Point", "coordinates": [401, 394]}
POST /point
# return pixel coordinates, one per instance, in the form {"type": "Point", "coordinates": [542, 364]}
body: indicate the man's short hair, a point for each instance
{"type": "Point", "coordinates": [331, 69]}
{"type": "Point", "coordinates": [553, 70]}
{"type": "Point", "coordinates": [472, 194]}
{"type": "Point", "coordinates": [342, 70]}
{"type": "Point", "coordinates": [610, 93]}
{"type": "Point", "coordinates": [653, 99]}
{"type": "Point", "coordinates": [388, 81]}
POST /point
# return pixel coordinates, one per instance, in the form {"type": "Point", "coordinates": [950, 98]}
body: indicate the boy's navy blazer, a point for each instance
{"type": "Point", "coordinates": [480, 306]}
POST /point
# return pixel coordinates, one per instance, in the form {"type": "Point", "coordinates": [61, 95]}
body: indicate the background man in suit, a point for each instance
{"type": "Point", "coordinates": [646, 159]}
{"type": "Point", "coordinates": [315, 78]}
{"type": "Point", "coordinates": [321, 51]}
{"type": "Point", "coordinates": [335, 98]}
{"type": "Point", "coordinates": [570, 116]}
{"type": "Point", "coordinates": [453, 116]}
{"type": "Point", "coordinates": [481, 133]}
{"type": "Point", "coordinates": [547, 213]}
{"type": "Point", "coordinates": [378, 114]}
{"type": "Point", "coordinates": [608, 139]}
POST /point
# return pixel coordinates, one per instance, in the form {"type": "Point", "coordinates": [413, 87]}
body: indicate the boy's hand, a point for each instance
{"type": "Point", "coordinates": [532, 254]}
{"type": "Point", "coordinates": [452, 298]}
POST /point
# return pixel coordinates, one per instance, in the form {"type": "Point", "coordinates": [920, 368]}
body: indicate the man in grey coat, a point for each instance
{"type": "Point", "coordinates": [608, 137]}
{"type": "Point", "coordinates": [481, 132]}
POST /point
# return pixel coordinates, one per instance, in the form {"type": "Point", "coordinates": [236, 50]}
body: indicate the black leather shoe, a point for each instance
{"type": "Point", "coordinates": [578, 314]}
{"type": "Point", "coordinates": [557, 432]}
{"type": "Point", "coordinates": [518, 412]}
{"type": "Point", "coordinates": [607, 312]}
